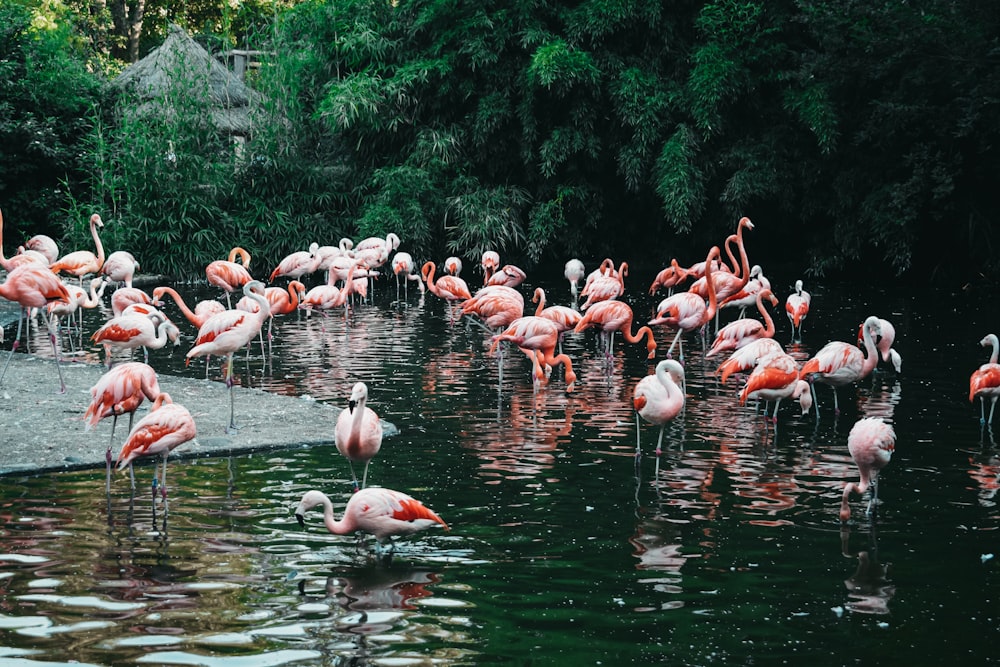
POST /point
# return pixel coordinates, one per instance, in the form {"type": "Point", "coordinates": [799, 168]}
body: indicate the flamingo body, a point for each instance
{"type": "Point", "coordinates": [871, 443]}
{"type": "Point", "coordinates": [381, 512]}
{"type": "Point", "coordinates": [358, 433]}
{"type": "Point", "coordinates": [659, 398]}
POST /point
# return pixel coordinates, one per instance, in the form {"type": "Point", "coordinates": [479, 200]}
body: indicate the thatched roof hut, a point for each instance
{"type": "Point", "coordinates": [180, 63]}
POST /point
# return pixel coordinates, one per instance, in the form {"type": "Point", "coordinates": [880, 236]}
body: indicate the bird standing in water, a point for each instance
{"type": "Point", "coordinates": [358, 434]}
{"type": "Point", "coordinates": [871, 443]}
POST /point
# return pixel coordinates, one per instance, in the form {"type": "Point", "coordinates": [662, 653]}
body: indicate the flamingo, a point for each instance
{"type": "Point", "coordinates": [496, 305]}
{"type": "Point", "coordinates": [120, 267]}
{"type": "Point", "coordinates": [985, 381]}
{"type": "Point", "coordinates": [44, 245]}
{"type": "Point", "coordinates": [228, 275]}
{"type": "Point", "coordinates": [490, 263]}
{"type": "Point", "coordinates": [131, 330]}
{"type": "Point", "coordinates": [612, 316]}
{"type": "Point", "coordinates": [283, 300]}
{"type": "Point", "coordinates": [123, 297]}
{"type": "Point", "coordinates": [82, 262]}
{"type": "Point", "coordinates": [670, 277]}
{"type": "Point", "coordinates": [453, 266]}
{"type": "Point", "coordinates": [402, 267]}
{"type": "Point", "coordinates": [747, 296]}
{"type": "Point", "coordinates": [328, 296]}
{"type": "Point", "coordinates": [609, 284]}
{"type": "Point", "coordinates": [739, 333]}
{"type": "Point", "coordinates": [358, 434]}
{"type": "Point", "coordinates": [450, 288]}
{"type": "Point", "coordinates": [838, 363]}
{"type": "Point", "coordinates": [203, 310]}
{"type": "Point", "coordinates": [537, 337]}
{"type": "Point", "coordinates": [883, 343]}
{"type": "Point", "coordinates": [748, 356]}
{"type": "Point", "coordinates": [658, 399]}
{"type": "Point", "coordinates": [574, 272]}
{"type": "Point", "coordinates": [229, 331]}
{"type": "Point", "coordinates": [797, 307]}
{"type": "Point", "coordinates": [508, 275]}
{"type": "Point", "coordinates": [777, 377]}
{"type": "Point", "coordinates": [167, 426]}
{"type": "Point", "coordinates": [871, 443]}
{"type": "Point", "coordinates": [33, 285]}
{"type": "Point", "coordinates": [298, 264]}
{"type": "Point", "coordinates": [28, 256]}
{"type": "Point", "coordinates": [328, 253]}
{"type": "Point", "coordinates": [564, 317]}
{"type": "Point", "coordinates": [687, 311]}
{"type": "Point", "coordinates": [79, 298]}
{"type": "Point", "coordinates": [381, 512]}
{"type": "Point", "coordinates": [727, 284]}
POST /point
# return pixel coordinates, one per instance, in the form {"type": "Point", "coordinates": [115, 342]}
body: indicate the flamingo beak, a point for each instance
{"type": "Point", "coordinates": [301, 520]}
{"type": "Point", "coordinates": [351, 405]}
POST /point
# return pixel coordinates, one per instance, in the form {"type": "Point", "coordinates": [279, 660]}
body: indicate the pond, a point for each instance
{"type": "Point", "coordinates": [563, 549]}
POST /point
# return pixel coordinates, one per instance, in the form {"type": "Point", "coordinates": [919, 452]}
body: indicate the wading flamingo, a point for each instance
{"type": "Point", "coordinates": [496, 305]}
{"type": "Point", "coordinates": [612, 316]}
{"type": "Point", "coordinates": [797, 307]}
{"type": "Point", "coordinates": [358, 434]}
{"type": "Point", "coordinates": [670, 277]}
{"type": "Point", "coordinates": [453, 266]}
{"type": "Point", "coordinates": [120, 267]}
{"type": "Point", "coordinates": [450, 288]}
{"type": "Point", "coordinates": [564, 317]}
{"type": "Point", "coordinates": [297, 264]}
{"type": "Point", "coordinates": [871, 443]}
{"type": "Point", "coordinates": [606, 285]}
{"type": "Point", "coordinates": [490, 263]}
{"type": "Point", "coordinates": [747, 296]}
{"type": "Point", "coordinates": [776, 377]}
{"type": "Point", "coordinates": [167, 426]}
{"type": "Point", "coordinates": [985, 381]}
{"type": "Point", "coordinates": [747, 357]}
{"type": "Point", "coordinates": [131, 330]}
{"type": "Point", "coordinates": [381, 512]}
{"type": "Point", "coordinates": [228, 275]}
{"type": "Point", "coordinates": [402, 268]}
{"type": "Point", "coordinates": [202, 310]}
{"type": "Point", "coordinates": [508, 275]}
{"type": "Point", "coordinates": [658, 399]}
{"type": "Point", "coordinates": [229, 331]}
{"type": "Point", "coordinates": [82, 262]}
{"type": "Point", "coordinates": [574, 272]}
{"type": "Point", "coordinates": [741, 332]}
{"type": "Point", "coordinates": [33, 285]}
{"type": "Point", "coordinates": [838, 363]}
{"type": "Point", "coordinates": [883, 343]}
{"type": "Point", "coordinates": [687, 311]}
{"type": "Point", "coordinates": [537, 337]}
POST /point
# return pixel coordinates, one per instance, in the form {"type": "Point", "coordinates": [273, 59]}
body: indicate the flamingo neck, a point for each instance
{"type": "Point", "coordinates": [540, 298]}
{"type": "Point", "coordinates": [871, 353]}
{"type": "Point", "coordinates": [713, 303]}
{"type": "Point", "coordinates": [996, 348]}
{"type": "Point", "coordinates": [98, 244]}
{"type": "Point", "coordinates": [768, 322]}
{"type": "Point", "coordinates": [342, 527]}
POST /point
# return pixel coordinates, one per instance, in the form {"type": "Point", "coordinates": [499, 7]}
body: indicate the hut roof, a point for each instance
{"type": "Point", "coordinates": [181, 61]}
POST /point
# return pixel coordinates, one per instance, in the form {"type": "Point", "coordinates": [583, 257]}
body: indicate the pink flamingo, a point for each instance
{"type": "Point", "coordinates": [131, 330]}
{"type": "Point", "coordinates": [776, 377]}
{"type": "Point", "coordinates": [297, 264]}
{"type": "Point", "coordinates": [574, 272]}
{"type": "Point", "coordinates": [658, 399]}
{"type": "Point", "coordinates": [607, 285]}
{"type": "Point", "coordinates": [283, 300]}
{"type": "Point", "coordinates": [167, 426]}
{"type": "Point", "coordinates": [748, 356]}
{"type": "Point", "coordinates": [78, 299]}
{"type": "Point", "coordinates": [381, 512]}
{"type": "Point", "coordinates": [496, 305]}
{"type": "Point", "coordinates": [402, 268]}
{"type": "Point", "coordinates": [612, 316]}
{"type": "Point", "coordinates": [203, 310]}
{"type": "Point", "coordinates": [797, 307]}
{"type": "Point", "coordinates": [564, 317]}
{"type": "Point", "coordinates": [229, 331]}
{"type": "Point", "coordinates": [727, 284]}
{"type": "Point", "coordinates": [670, 277]}
{"type": "Point", "coordinates": [123, 297]}
{"type": "Point", "coordinates": [537, 337]}
{"type": "Point", "coordinates": [687, 311]}
{"type": "Point", "coordinates": [82, 262]}
{"type": "Point", "coordinates": [27, 256]}
{"type": "Point", "coordinates": [838, 364]}
{"type": "Point", "coordinates": [508, 275]}
{"type": "Point", "coordinates": [120, 267]}
{"type": "Point", "coordinates": [871, 443]}
{"type": "Point", "coordinates": [228, 275]}
{"type": "Point", "coordinates": [329, 296]}
{"type": "Point", "coordinates": [358, 433]}
{"type": "Point", "coordinates": [738, 334]}
{"type": "Point", "coordinates": [747, 296]}
{"type": "Point", "coordinates": [985, 381]}
{"type": "Point", "coordinates": [883, 343]}
{"type": "Point", "coordinates": [453, 266]}
{"type": "Point", "coordinates": [490, 263]}
{"type": "Point", "coordinates": [450, 288]}
{"type": "Point", "coordinates": [45, 245]}
{"type": "Point", "coordinates": [33, 285]}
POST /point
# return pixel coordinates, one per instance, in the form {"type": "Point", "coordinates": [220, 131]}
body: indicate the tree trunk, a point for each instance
{"type": "Point", "coordinates": [128, 26]}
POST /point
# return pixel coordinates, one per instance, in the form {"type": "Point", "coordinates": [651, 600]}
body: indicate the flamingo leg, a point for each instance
{"type": "Point", "coordinates": [659, 443]}
{"type": "Point", "coordinates": [993, 406]}
{"type": "Point", "coordinates": [13, 348]}
{"type": "Point", "coordinates": [163, 485]}
{"type": "Point", "coordinates": [638, 451]}
{"type": "Point", "coordinates": [55, 352]}
{"type": "Point", "coordinates": [107, 481]}
{"type": "Point", "coordinates": [364, 475]}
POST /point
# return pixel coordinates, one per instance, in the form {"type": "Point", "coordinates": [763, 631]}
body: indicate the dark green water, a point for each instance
{"type": "Point", "coordinates": [561, 551]}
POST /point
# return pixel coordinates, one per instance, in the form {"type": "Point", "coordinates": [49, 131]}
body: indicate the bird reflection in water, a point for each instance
{"type": "Point", "coordinates": [869, 588]}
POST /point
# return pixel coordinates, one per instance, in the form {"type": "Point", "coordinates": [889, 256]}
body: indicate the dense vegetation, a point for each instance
{"type": "Point", "coordinates": [858, 135]}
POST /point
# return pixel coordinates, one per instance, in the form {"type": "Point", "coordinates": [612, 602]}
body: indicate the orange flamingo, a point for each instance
{"type": "Point", "coordinates": [228, 275]}
{"type": "Point", "coordinates": [670, 277]}
{"type": "Point", "coordinates": [871, 443]}
{"type": "Point", "coordinates": [45, 245]}
{"type": "Point", "coordinates": [453, 266]}
{"type": "Point", "coordinates": [381, 512]}
{"type": "Point", "coordinates": [658, 399]}
{"type": "Point", "coordinates": [496, 305]}
{"type": "Point", "coordinates": [297, 264]}
{"type": "Point", "coordinates": [612, 316]}
{"type": "Point", "coordinates": [490, 263]}
{"type": "Point", "coordinates": [985, 381]}
{"type": "Point", "coordinates": [167, 426]}
{"type": "Point", "coordinates": [203, 310]}
{"type": "Point", "coordinates": [120, 267]}
{"type": "Point", "coordinates": [229, 331]}
{"type": "Point", "coordinates": [838, 363]}
{"type": "Point", "coordinates": [748, 356]}
{"type": "Point", "coordinates": [283, 300]}
{"type": "Point", "coordinates": [738, 334]}
{"type": "Point", "coordinates": [564, 317]}
{"type": "Point", "coordinates": [82, 262]}
{"type": "Point", "coordinates": [131, 330]}
{"type": "Point", "coordinates": [574, 272]}
{"type": "Point", "coordinates": [27, 256]}
{"type": "Point", "coordinates": [687, 311]}
{"type": "Point", "coordinates": [797, 307]}
{"type": "Point", "coordinates": [358, 434]}
{"type": "Point", "coordinates": [537, 337]}
{"type": "Point", "coordinates": [508, 275]}
{"type": "Point", "coordinates": [776, 377]}
{"type": "Point", "coordinates": [33, 285]}
{"type": "Point", "coordinates": [450, 288]}
{"type": "Point", "coordinates": [608, 284]}
{"type": "Point", "coordinates": [728, 283]}
{"type": "Point", "coordinates": [883, 343]}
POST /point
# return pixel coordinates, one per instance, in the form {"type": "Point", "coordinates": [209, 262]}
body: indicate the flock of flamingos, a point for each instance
{"type": "Point", "coordinates": [33, 281]}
